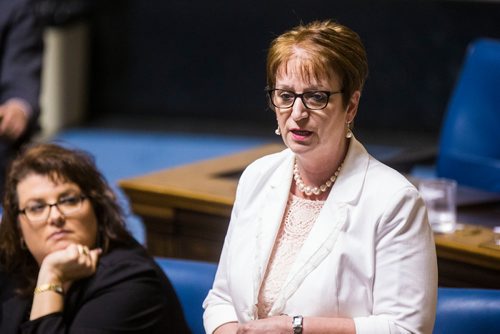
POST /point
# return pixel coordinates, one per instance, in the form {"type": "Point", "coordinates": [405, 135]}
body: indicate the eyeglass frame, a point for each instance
{"type": "Point", "coordinates": [270, 92]}
{"type": "Point", "coordinates": [80, 197]}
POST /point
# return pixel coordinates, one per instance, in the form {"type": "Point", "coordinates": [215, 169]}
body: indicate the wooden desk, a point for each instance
{"type": "Point", "coordinates": [186, 211]}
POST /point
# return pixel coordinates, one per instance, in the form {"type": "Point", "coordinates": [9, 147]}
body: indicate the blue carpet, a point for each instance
{"type": "Point", "coordinates": [120, 154]}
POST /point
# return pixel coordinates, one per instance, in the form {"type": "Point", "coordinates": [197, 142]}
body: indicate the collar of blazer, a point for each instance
{"type": "Point", "coordinates": [349, 183]}
{"type": "Point", "coordinates": [325, 231]}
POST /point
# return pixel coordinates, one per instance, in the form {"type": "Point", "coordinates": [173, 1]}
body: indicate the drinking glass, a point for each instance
{"type": "Point", "coordinates": [440, 196]}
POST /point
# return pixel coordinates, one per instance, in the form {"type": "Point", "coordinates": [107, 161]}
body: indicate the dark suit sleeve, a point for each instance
{"type": "Point", "coordinates": [21, 57]}
{"type": "Point", "coordinates": [125, 296]}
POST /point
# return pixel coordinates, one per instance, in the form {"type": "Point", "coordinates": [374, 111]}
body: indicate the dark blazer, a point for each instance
{"type": "Point", "coordinates": [21, 48]}
{"type": "Point", "coordinates": [129, 293]}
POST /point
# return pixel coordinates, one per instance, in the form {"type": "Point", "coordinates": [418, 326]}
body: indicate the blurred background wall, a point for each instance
{"type": "Point", "coordinates": [161, 62]}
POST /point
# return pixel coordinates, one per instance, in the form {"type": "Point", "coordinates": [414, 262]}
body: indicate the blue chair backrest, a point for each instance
{"type": "Point", "coordinates": [465, 310]}
{"type": "Point", "coordinates": [469, 150]}
{"type": "Point", "coordinates": [191, 281]}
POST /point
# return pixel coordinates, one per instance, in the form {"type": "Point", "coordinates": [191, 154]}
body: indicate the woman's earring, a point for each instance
{"type": "Point", "coordinates": [277, 131]}
{"type": "Point", "coordinates": [349, 132]}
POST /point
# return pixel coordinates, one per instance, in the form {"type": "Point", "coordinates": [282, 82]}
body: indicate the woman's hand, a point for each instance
{"type": "Point", "coordinates": [62, 267]}
{"type": "Point", "coordinates": [68, 265]}
{"type": "Point", "coordinates": [227, 328]}
{"type": "Point", "coordinates": [276, 325]}
{"type": "Point", "coordinates": [13, 119]}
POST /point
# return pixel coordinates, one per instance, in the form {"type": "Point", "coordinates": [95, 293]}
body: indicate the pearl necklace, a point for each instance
{"type": "Point", "coordinates": [308, 190]}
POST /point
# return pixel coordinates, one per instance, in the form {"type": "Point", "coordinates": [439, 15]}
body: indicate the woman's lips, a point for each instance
{"type": "Point", "coordinates": [59, 235]}
{"type": "Point", "coordinates": [300, 134]}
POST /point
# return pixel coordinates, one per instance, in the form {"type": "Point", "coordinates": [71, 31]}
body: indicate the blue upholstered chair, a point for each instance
{"type": "Point", "coordinates": [191, 281]}
{"type": "Point", "coordinates": [465, 311]}
{"type": "Point", "coordinates": [469, 149]}
{"type": "Point", "coordinates": [459, 310]}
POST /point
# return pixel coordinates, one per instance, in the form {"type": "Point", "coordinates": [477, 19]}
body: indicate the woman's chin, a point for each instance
{"type": "Point", "coordinates": [60, 245]}
{"type": "Point", "coordinates": [299, 147]}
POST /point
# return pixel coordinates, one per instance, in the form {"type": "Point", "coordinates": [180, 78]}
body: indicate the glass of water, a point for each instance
{"type": "Point", "coordinates": [440, 196]}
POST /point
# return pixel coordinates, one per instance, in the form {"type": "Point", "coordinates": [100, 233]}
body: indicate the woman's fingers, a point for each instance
{"type": "Point", "coordinates": [89, 257]}
{"type": "Point", "coordinates": [75, 262]}
{"type": "Point", "coordinates": [94, 256]}
{"type": "Point", "coordinates": [84, 250]}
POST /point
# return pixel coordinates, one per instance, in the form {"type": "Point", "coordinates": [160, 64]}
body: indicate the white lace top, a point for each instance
{"type": "Point", "coordinates": [299, 217]}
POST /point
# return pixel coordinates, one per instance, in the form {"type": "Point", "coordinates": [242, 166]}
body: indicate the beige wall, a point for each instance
{"type": "Point", "coordinates": [64, 78]}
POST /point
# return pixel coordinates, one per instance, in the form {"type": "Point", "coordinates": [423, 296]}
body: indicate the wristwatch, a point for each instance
{"type": "Point", "coordinates": [297, 324]}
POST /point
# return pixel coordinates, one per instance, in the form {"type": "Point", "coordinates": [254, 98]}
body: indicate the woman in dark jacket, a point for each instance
{"type": "Point", "coordinates": [67, 263]}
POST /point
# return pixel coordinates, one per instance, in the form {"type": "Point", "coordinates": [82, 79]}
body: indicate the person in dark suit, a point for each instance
{"type": "Point", "coordinates": [67, 264]}
{"type": "Point", "coordinates": [21, 49]}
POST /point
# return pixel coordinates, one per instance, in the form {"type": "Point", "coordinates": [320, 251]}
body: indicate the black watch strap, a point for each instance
{"type": "Point", "coordinates": [297, 321]}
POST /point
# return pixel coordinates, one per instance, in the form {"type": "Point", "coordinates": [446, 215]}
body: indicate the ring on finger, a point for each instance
{"type": "Point", "coordinates": [85, 250]}
{"type": "Point", "coordinates": [80, 249]}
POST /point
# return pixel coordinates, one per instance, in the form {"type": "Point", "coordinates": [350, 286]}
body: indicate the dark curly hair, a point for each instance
{"type": "Point", "coordinates": [61, 164]}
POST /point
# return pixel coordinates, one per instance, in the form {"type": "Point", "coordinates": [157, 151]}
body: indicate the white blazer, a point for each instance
{"type": "Point", "coordinates": [370, 255]}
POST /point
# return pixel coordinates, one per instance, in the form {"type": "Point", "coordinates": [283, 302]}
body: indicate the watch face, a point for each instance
{"type": "Point", "coordinates": [297, 324]}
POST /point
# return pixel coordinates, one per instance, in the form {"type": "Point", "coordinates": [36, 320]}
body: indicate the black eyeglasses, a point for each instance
{"type": "Point", "coordinates": [313, 100]}
{"type": "Point", "coordinates": [39, 212]}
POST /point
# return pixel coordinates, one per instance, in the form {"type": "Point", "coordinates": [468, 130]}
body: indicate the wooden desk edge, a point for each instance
{"type": "Point", "coordinates": [146, 191]}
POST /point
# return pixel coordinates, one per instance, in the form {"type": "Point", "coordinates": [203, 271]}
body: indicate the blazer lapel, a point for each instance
{"type": "Point", "coordinates": [270, 217]}
{"type": "Point", "coordinates": [330, 223]}
{"type": "Point", "coordinates": [318, 245]}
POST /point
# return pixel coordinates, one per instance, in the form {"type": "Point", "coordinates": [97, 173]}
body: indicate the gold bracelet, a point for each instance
{"type": "Point", "coordinates": [49, 287]}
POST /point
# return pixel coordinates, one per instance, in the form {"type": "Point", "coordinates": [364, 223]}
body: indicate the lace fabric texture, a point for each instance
{"type": "Point", "coordinates": [300, 215]}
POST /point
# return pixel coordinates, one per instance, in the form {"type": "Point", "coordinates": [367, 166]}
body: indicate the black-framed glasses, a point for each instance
{"type": "Point", "coordinates": [313, 100]}
{"type": "Point", "coordinates": [39, 212]}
